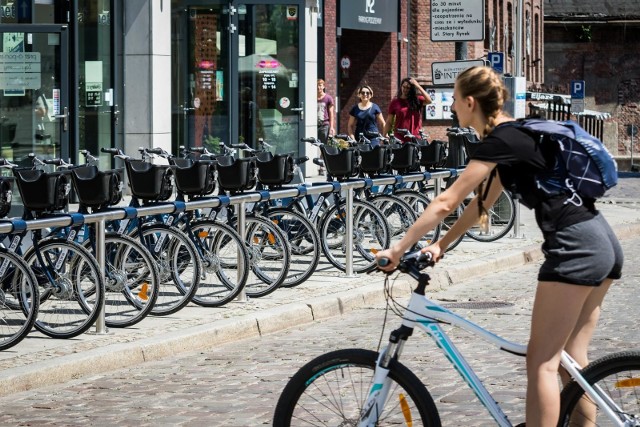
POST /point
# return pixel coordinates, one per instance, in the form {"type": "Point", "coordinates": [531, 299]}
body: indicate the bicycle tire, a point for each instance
{"type": "Point", "coordinates": [225, 263]}
{"type": "Point", "coordinates": [331, 389]}
{"type": "Point", "coordinates": [502, 215]}
{"type": "Point", "coordinates": [618, 375]}
{"type": "Point", "coordinates": [70, 305]}
{"type": "Point", "coordinates": [419, 203]}
{"type": "Point", "coordinates": [19, 299]}
{"type": "Point", "coordinates": [269, 256]}
{"type": "Point", "coordinates": [303, 241]}
{"type": "Point", "coordinates": [371, 234]}
{"type": "Point", "coordinates": [132, 282]}
{"type": "Point", "coordinates": [398, 213]}
{"type": "Point", "coordinates": [178, 265]}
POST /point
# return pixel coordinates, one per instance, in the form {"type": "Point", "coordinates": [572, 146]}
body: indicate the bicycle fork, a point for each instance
{"type": "Point", "coordinates": [381, 383]}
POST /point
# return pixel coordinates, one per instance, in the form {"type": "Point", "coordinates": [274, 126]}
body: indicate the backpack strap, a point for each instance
{"type": "Point", "coordinates": [483, 192]}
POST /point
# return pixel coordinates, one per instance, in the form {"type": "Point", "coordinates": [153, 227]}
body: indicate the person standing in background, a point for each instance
{"type": "Point", "coordinates": [365, 117]}
{"type": "Point", "coordinates": [326, 114]}
{"type": "Point", "coordinates": [405, 110]}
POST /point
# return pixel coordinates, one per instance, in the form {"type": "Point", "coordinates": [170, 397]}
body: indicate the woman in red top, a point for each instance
{"type": "Point", "coordinates": [405, 110]}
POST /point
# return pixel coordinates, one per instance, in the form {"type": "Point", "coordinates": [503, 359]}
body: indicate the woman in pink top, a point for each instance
{"type": "Point", "coordinates": [405, 110]}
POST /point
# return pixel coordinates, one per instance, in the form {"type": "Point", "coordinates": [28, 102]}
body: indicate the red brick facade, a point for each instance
{"type": "Point", "coordinates": [381, 60]}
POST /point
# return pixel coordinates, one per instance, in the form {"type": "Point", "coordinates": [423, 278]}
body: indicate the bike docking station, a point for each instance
{"type": "Point", "coordinates": [11, 226]}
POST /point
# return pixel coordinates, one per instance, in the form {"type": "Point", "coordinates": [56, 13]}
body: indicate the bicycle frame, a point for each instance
{"type": "Point", "coordinates": [427, 316]}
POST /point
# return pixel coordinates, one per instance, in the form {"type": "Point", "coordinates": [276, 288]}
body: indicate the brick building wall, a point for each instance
{"type": "Point", "coordinates": [381, 60]}
{"type": "Point", "coordinates": [607, 58]}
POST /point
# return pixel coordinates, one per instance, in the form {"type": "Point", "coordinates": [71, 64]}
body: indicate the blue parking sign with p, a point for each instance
{"type": "Point", "coordinates": [577, 89]}
{"type": "Point", "coordinates": [496, 60]}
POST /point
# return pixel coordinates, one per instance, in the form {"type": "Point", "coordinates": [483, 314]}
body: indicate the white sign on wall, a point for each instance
{"type": "Point", "coordinates": [445, 73]}
{"type": "Point", "coordinates": [457, 20]}
{"type": "Point", "coordinates": [440, 107]}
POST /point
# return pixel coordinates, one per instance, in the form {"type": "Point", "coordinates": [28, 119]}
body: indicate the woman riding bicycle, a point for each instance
{"type": "Point", "coordinates": [582, 254]}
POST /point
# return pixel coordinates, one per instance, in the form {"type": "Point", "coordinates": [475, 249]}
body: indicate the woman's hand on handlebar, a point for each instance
{"type": "Point", "coordinates": [391, 259]}
{"type": "Point", "coordinates": [388, 259]}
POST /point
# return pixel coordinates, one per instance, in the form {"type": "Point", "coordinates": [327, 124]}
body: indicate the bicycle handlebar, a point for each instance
{"type": "Point", "coordinates": [411, 261]}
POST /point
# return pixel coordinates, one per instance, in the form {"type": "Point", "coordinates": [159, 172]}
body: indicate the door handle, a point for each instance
{"type": "Point", "coordinates": [300, 109]}
{"type": "Point", "coordinates": [65, 119]}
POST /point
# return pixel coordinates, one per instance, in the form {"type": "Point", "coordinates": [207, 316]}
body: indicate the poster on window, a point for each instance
{"type": "Point", "coordinates": [440, 107]}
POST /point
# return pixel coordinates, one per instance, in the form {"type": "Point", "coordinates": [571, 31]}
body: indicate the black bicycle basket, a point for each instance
{"type": "Point", "coordinates": [374, 160]}
{"type": "Point", "coordinates": [433, 154]}
{"type": "Point", "coordinates": [43, 191]}
{"type": "Point", "coordinates": [194, 177]}
{"type": "Point", "coordinates": [149, 181]}
{"type": "Point", "coordinates": [6, 194]}
{"type": "Point", "coordinates": [275, 169]}
{"type": "Point", "coordinates": [236, 174]}
{"type": "Point", "coordinates": [340, 163]}
{"type": "Point", "coordinates": [96, 188]}
{"type": "Point", "coordinates": [405, 157]}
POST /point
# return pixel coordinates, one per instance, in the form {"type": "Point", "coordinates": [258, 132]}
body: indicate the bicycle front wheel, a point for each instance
{"type": "Point", "coordinates": [225, 263]}
{"type": "Point", "coordinates": [331, 390]}
{"type": "Point", "coordinates": [178, 265]}
{"type": "Point", "coordinates": [370, 235]}
{"type": "Point", "coordinates": [303, 241]}
{"type": "Point", "coordinates": [269, 256]}
{"type": "Point", "coordinates": [19, 299]}
{"type": "Point", "coordinates": [132, 282]}
{"type": "Point", "coordinates": [70, 285]}
{"type": "Point", "coordinates": [618, 377]}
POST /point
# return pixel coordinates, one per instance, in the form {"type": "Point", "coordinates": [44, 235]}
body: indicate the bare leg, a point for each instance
{"type": "Point", "coordinates": [556, 310]}
{"type": "Point", "coordinates": [578, 346]}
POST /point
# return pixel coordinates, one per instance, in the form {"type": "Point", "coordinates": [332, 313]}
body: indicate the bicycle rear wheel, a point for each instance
{"type": "Point", "coordinates": [618, 376]}
{"type": "Point", "coordinates": [70, 285]}
{"type": "Point", "coordinates": [19, 299]}
{"type": "Point", "coordinates": [331, 390]}
{"type": "Point", "coordinates": [502, 216]}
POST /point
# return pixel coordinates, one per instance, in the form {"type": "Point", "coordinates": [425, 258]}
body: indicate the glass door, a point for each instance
{"type": "Point", "coordinates": [34, 109]}
{"type": "Point", "coordinates": [268, 71]}
{"type": "Point", "coordinates": [201, 52]}
{"type": "Point", "coordinates": [236, 73]}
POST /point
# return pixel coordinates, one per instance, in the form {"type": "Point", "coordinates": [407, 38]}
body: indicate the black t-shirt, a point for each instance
{"type": "Point", "coordinates": [519, 157]}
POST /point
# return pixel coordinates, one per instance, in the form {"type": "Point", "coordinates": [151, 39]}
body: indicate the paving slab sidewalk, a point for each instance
{"type": "Point", "coordinates": [39, 361]}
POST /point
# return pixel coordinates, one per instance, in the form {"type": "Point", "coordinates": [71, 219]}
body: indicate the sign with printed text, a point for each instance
{"type": "Point", "coordinates": [369, 15]}
{"type": "Point", "coordinates": [457, 20]}
{"type": "Point", "coordinates": [445, 73]}
{"type": "Point", "coordinates": [577, 96]}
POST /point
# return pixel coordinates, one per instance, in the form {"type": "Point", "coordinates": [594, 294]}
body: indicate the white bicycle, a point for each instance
{"type": "Point", "coordinates": [357, 387]}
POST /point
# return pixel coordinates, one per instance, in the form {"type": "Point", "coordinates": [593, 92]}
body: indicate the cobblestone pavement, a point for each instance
{"type": "Point", "coordinates": [239, 383]}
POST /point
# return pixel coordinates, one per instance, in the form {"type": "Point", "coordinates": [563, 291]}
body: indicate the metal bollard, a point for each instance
{"type": "Point", "coordinates": [101, 327]}
{"type": "Point", "coordinates": [242, 296]}
{"type": "Point", "coordinates": [349, 234]}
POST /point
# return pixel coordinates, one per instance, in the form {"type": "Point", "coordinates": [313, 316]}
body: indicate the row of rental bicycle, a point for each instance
{"type": "Point", "coordinates": [158, 263]}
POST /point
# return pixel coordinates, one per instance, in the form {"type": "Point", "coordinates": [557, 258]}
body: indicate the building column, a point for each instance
{"type": "Point", "coordinates": [147, 75]}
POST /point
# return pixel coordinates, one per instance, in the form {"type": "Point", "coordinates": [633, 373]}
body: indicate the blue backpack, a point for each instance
{"type": "Point", "coordinates": [583, 168]}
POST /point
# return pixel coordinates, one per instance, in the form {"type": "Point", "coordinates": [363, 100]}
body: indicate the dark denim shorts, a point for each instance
{"type": "Point", "coordinates": [585, 253]}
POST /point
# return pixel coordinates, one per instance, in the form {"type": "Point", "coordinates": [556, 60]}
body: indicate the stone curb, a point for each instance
{"type": "Point", "coordinates": [198, 338]}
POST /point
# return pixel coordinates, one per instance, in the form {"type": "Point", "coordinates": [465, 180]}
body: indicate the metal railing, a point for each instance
{"type": "Point", "coordinates": [348, 189]}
